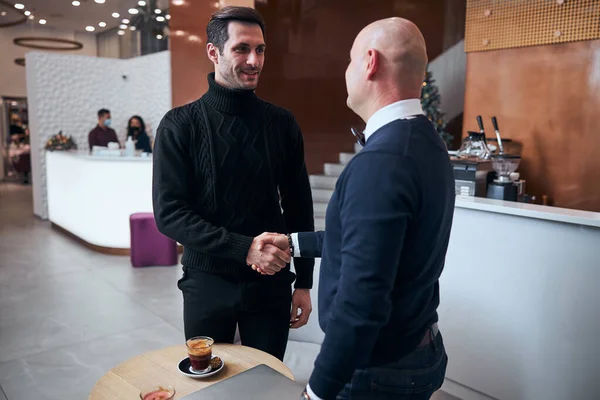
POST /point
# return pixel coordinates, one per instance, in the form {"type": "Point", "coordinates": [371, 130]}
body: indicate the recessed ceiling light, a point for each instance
{"type": "Point", "coordinates": [121, 33]}
{"type": "Point", "coordinates": [42, 21]}
{"type": "Point", "coordinates": [90, 28]}
{"type": "Point", "coordinates": [132, 28]}
{"type": "Point", "coordinates": [160, 18]}
{"type": "Point", "coordinates": [133, 11]}
{"type": "Point", "coordinates": [100, 1]}
{"type": "Point", "coordinates": [159, 36]}
{"type": "Point", "coordinates": [32, 17]}
{"type": "Point", "coordinates": [125, 21]}
{"type": "Point", "coordinates": [178, 2]}
{"type": "Point", "coordinates": [116, 15]}
{"type": "Point", "coordinates": [19, 6]}
{"type": "Point", "coordinates": [102, 24]}
{"type": "Point", "coordinates": [179, 33]}
{"type": "Point", "coordinates": [27, 13]}
{"type": "Point", "coordinates": [168, 16]}
{"type": "Point", "coordinates": [157, 11]}
{"type": "Point", "coordinates": [3, 13]}
{"type": "Point", "coordinates": [76, 3]}
{"type": "Point", "coordinates": [141, 3]}
{"type": "Point", "coordinates": [122, 26]}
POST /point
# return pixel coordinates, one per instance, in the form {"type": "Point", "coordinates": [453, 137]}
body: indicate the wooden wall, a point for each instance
{"type": "Point", "coordinates": [548, 98]}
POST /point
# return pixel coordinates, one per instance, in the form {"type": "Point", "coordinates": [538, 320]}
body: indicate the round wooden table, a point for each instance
{"type": "Point", "coordinates": [159, 367]}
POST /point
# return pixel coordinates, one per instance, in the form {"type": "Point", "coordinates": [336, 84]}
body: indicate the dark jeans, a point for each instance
{"type": "Point", "coordinates": [416, 376]}
{"type": "Point", "coordinates": [214, 304]}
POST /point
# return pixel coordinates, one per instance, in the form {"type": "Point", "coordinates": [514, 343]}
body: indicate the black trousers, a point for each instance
{"type": "Point", "coordinates": [213, 305]}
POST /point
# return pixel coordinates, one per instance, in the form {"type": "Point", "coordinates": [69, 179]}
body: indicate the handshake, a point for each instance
{"type": "Point", "coordinates": [269, 253]}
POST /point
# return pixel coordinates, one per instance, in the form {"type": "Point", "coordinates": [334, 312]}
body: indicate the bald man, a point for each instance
{"type": "Point", "coordinates": [388, 226]}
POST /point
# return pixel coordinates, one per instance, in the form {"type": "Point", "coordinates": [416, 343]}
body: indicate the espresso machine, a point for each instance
{"type": "Point", "coordinates": [471, 177]}
{"type": "Point", "coordinates": [472, 164]}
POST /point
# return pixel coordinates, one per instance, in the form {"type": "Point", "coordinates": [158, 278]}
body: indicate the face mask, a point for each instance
{"type": "Point", "coordinates": [107, 122]}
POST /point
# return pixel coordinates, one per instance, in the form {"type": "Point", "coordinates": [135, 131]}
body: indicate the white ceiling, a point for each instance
{"type": "Point", "coordinates": [62, 14]}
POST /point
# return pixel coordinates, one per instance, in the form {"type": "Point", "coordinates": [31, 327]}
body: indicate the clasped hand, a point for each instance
{"type": "Point", "coordinates": [269, 253]}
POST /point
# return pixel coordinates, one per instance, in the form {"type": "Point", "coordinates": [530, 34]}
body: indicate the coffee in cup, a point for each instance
{"type": "Point", "coordinates": [200, 353]}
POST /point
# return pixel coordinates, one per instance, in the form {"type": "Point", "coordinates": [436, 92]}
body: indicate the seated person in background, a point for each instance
{"type": "Point", "coordinates": [102, 134]}
{"type": "Point", "coordinates": [137, 130]}
{"type": "Point", "coordinates": [17, 133]}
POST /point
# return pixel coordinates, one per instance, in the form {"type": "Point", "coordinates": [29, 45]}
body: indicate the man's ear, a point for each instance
{"type": "Point", "coordinates": [213, 53]}
{"type": "Point", "coordinates": [372, 62]}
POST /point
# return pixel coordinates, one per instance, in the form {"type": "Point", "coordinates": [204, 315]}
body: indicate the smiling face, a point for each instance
{"type": "Point", "coordinates": [240, 63]}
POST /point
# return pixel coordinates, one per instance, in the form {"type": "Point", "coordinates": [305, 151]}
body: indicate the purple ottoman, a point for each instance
{"type": "Point", "coordinates": [149, 247]}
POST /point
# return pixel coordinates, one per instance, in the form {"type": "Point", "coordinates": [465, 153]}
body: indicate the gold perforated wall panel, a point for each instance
{"type": "Point", "coordinates": [502, 24]}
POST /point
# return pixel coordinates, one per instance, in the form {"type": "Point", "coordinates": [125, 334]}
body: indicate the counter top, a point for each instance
{"type": "Point", "coordinates": [557, 214]}
{"type": "Point", "coordinates": [84, 155]}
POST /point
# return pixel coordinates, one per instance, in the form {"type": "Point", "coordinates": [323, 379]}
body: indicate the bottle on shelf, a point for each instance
{"type": "Point", "coordinates": [129, 147]}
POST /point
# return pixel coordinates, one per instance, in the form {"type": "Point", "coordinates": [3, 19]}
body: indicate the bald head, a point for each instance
{"type": "Point", "coordinates": [393, 56]}
{"type": "Point", "coordinates": [401, 46]}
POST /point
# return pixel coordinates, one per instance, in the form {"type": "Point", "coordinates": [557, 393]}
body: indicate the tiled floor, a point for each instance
{"type": "Point", "coordinates": [67, 314]}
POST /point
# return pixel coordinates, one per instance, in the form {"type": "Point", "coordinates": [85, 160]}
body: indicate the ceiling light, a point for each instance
{"type": "Point", "coordinates": [3, 13]}
{"type": "Point", "coordinates": [125, 21]}
{"type": "Point", "coordinates": [159, 36]}
{"type": "Point", "coordinates": [178, 2]}
{"type": "Point", "coordinates": [122, 26]}
{"type": "Point", "coordinates": [115, 15]}
{"type": "Point", "coordinates": [133, 11]}
{"type": "Point", "coordinates": [160, 18]}
{"type": "Point", "coordinates": [100, 1]}
{"type": "Point", "coordinates": [31, 17]}
{"type": "Point", "coordinates": [141, 3]}
{"type": "Point", "coordinates": [102, 24]}
{"type": "Point", "coordinates": [27, 13]}
{"type": "Point", "coordinates": [157, 11]}
{"type": "Point", "coordinates": [168, 16]}
{"type": "Point", "coordinates": [179, 33]}
{"type": "Point", "coordinates": [132, 28]}
{"type": "Point", "coordinates": [19, 6]}
{"type": "Point", "coordinates": [42, 21]}
{"type": "Point", "coordinates": [76, 3]}
{"type": "Point", "coordinates": [121, 33]}
{"type": "Point", "coordinates": [90, 28]}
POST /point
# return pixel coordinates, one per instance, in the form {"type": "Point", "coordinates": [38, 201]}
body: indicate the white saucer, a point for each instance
{"type": "Point", "coordinates": [185, 368]}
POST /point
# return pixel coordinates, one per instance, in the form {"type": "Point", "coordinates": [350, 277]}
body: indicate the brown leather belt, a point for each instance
{"type": "Point", "coordinates": [430, 335]}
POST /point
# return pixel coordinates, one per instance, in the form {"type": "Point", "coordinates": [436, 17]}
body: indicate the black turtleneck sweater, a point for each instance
{"type": "Point", "coordinates": [220, 166]}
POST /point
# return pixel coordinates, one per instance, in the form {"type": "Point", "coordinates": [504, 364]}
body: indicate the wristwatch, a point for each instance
{"type": "Point", "coordinates": [291, 243]}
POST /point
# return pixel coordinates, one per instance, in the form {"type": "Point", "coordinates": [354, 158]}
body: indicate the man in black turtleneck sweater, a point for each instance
{"type": "Point", "coordinates": [222, 164]}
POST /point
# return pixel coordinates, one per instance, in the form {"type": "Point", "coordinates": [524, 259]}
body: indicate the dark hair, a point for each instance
{"type": "Point", "coordinates": [143, 125]}
{"type": "Point", "coordinates": [217, 29]}
{"type": "Point", "coordinates": [102, 112]}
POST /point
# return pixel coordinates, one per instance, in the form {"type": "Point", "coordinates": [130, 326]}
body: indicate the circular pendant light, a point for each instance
{"type": "Point", "coordinates": [45, 43]}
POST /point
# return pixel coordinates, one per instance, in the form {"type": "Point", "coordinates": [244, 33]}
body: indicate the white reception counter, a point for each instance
{"type": "Point", "coordinates": [92, 197]}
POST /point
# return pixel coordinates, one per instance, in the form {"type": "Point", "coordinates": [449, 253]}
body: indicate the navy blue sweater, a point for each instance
{"type": "Point", "coordinates": [388, 226]}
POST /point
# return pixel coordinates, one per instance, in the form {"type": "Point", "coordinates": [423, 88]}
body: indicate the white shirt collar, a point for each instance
{"type": "Point", "coordinates": [399, 110]}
